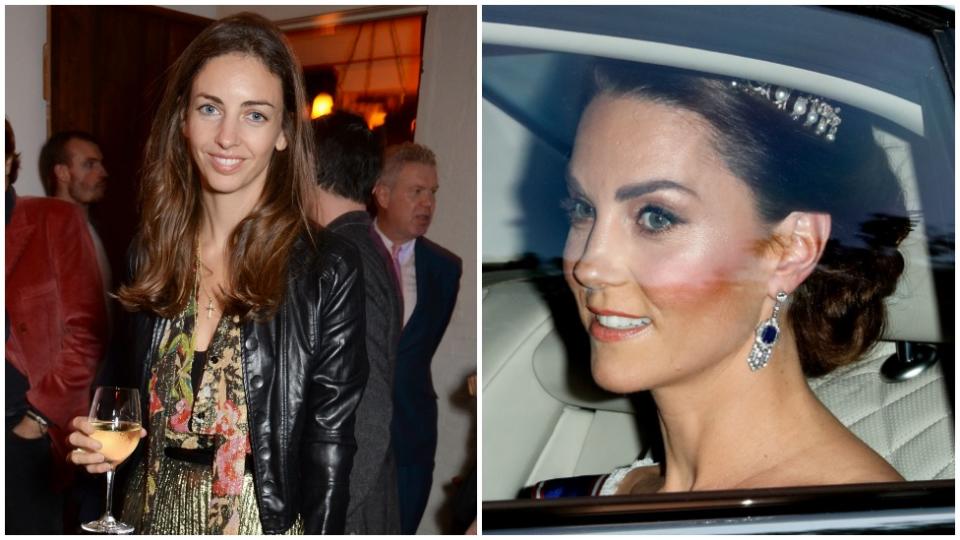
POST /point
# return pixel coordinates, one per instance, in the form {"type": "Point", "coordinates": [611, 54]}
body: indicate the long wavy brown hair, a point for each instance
{"type": "Point", "coordinates": [171, 212]}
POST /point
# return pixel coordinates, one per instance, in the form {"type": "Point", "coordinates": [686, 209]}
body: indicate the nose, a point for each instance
{"type": "Point", "coordinates": [227, 134]}
{"type": "Point", "coordinates": [428, 199]}
{"type": "Point", "coordinates": [599, 264]}
{"type": "Point", "coordinates": [103, 171]}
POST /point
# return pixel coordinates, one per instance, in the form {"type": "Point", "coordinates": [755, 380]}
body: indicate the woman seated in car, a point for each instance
{"type": "Point", "coordinates": [727, 240]}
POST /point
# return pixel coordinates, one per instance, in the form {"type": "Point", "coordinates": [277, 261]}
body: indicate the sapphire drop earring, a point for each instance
{"type": "Point", "coordinates": [767, 335]}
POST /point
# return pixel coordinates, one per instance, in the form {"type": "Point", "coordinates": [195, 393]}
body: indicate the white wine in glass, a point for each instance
{"type": "Point", "coordinates": [115, 415]}
{"type": "Point", "coordinates": [119, 439]}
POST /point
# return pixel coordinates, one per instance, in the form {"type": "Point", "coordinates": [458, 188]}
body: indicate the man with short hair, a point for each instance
{"type": "Point", "coordinates": [71, 169]}
{"type": "Point", "coordinates": [348, 164]}
{"type": "Point", "coordinates": [429, 278]}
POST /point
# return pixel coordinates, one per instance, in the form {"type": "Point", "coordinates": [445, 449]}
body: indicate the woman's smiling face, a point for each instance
{"type": "Point", "coordinates": [664, 253]}
{"type": "Point", "coordinates": [234, 123]}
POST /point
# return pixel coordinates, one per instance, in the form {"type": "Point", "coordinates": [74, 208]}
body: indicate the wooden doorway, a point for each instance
{"type": "Point", "coordinates": [106, 73]}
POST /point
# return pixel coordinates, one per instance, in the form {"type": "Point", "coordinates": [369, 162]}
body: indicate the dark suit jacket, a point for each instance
{"type": "Point", "coordinates": [415, 401]}
{"type": "Point", "coordinates": [374, 508]}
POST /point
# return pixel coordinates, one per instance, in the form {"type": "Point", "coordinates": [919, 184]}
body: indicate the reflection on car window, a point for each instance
{"type": "Point", "coordinates": [714, 238]}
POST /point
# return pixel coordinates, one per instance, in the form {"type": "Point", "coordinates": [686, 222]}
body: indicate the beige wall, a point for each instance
{"type": "Point", "coordinates": [447, 123]}
{"type": "Point", "coordinates": [24, 35]}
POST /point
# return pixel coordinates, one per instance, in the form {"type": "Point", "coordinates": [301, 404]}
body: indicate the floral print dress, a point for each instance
{"type": "Point", "coordinates": [172, 496]}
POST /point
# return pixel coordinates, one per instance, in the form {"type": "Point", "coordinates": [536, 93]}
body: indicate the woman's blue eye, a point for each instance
{"type": "Point", "coordinates": [655, 219]}
{"type": "Point", "coordinates": [578, 210]}
{"type": "Point", "coordinates": [257, 117]}
{"type": "Point", "coordinates": [208, 109]}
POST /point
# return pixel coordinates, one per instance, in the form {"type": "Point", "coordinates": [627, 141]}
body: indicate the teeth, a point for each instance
{"type": "Point", "coordinates": [227, 162]}
{"type": "Point", "coordinates": [621, 323]}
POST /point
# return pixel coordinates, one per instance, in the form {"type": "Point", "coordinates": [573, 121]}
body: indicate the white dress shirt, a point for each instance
{"type": "Point", "coordinates": [408, 272]}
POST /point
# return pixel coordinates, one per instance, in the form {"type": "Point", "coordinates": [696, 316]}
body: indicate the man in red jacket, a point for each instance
{"type": "Point", "coordinates": [56, 328]}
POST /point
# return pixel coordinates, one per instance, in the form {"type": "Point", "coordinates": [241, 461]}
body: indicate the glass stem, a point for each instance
{"type": "Point", "coordinates": [108, 514]}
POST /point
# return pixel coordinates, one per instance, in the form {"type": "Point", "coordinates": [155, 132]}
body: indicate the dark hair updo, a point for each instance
{"type": "Point", "coordinates": [837, 313]}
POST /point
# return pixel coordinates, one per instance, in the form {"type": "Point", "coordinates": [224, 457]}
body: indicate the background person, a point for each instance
{"type": "Point", "coordinates": [429, 279]}
{"type": "Point", "coordinates": [55, 335]}
{"type": "Point", "coordinates": [349, 159]}
{"type": "Point", "coordinates": [71, 169]}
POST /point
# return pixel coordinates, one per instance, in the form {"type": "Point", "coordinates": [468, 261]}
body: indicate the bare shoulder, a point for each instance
{"type": "Point", "coordinates": [842, 460]}
{"type": "Point", "coordinates": [857, 463]}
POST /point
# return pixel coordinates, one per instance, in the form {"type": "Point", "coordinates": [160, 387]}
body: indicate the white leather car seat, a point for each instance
{"type": "Point", "coordinates": [543, 417]}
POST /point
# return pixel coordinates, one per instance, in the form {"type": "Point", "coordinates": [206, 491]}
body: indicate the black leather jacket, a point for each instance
{"type": "Point", "coordinates": [304, 373]}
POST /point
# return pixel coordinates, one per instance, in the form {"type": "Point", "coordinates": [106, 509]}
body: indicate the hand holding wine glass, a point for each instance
{"type": "Point", "coordinates": [105, 440]}
{"type": "Point", "coordinates": [87, 449]}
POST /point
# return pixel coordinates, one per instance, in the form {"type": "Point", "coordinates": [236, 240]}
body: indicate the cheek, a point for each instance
{"type": "Point", "coordinates": [699, 282]}
{"type": "Point", "coordinates": [573, 248]}
{"type": "Point", "coordinates": [189, 130]}
{"type": "Point", "coordinates": [411, 207]}
{"type": "Point", "coordinates": [265, 145]}
{"type": "Point", "coordinates": [191, 138]}
{"type": "Point", "coordinates": [400, 211]}
{"type": "Point", "coordinates": [266, 155]}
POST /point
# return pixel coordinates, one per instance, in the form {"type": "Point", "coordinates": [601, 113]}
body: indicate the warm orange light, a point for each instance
{"type": "Point", "coordinates": [322, 105]}
{"type": "Point", "coordinates": [376, 118]}
{"type": "Point", "coordinates": [326, 23]}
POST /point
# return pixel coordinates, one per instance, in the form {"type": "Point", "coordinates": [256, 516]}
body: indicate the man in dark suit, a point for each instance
{"type": "Point", "coordinates": [429, 277]}
{"type": "Point", "coordinates": [348, 164]}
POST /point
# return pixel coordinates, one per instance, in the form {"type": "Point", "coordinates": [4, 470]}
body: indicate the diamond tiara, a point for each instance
{"type": "Point", "coordinates": [817, 114]}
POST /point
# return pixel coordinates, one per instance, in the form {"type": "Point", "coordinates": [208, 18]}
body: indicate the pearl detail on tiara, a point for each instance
{"type": "Point", "coordinates": [817, 114]}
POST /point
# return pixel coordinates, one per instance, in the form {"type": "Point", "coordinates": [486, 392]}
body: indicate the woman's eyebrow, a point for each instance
{"type": "Point", "coordinates": [257, 104]}
{"type": "Point", "coordinates": [573, 185]}
{"type": "Point", "coordinates": [632, 191]}
{"type": "Point", "coordinates": [248, 103]}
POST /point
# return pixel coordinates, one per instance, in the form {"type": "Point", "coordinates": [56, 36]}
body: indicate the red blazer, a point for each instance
{"type": "Point", "coordinates": [56, 310]}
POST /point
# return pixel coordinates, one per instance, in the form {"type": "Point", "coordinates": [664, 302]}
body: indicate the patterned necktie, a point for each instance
{"type": "Point", "coordinates": [395, 255]}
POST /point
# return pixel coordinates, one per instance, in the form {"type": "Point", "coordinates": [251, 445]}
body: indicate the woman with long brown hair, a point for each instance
{"type": "Point", "coordinates": [248, 322]}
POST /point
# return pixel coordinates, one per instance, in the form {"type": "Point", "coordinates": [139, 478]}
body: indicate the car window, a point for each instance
{"type": "Point", "coordinates": [534, 62]}
{"type": "Point", "coordinates": [539, 68]}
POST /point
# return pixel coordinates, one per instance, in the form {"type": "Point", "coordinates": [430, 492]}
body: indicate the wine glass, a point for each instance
{"type": "Point", "coordinates": [115, 415]}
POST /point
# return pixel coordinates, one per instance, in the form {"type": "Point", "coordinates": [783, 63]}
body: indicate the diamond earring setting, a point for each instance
{"type": "Point", "coordinates": [767, 335]}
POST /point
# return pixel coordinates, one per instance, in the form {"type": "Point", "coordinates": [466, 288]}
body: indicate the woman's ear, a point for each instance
{"type": "Point", "coordinates": [281, 142]}
{"type": "Point", "coordinates": [803, 236]}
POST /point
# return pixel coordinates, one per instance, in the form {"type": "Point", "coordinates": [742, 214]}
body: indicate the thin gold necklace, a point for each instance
{"type": "Point", "coordinates": [210, 309]}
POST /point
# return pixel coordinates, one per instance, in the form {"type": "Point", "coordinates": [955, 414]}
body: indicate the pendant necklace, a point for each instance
{"type": "Point", "coordinates": [209, 305]}
{"type": "Point", "coordinates": [209, 309]}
